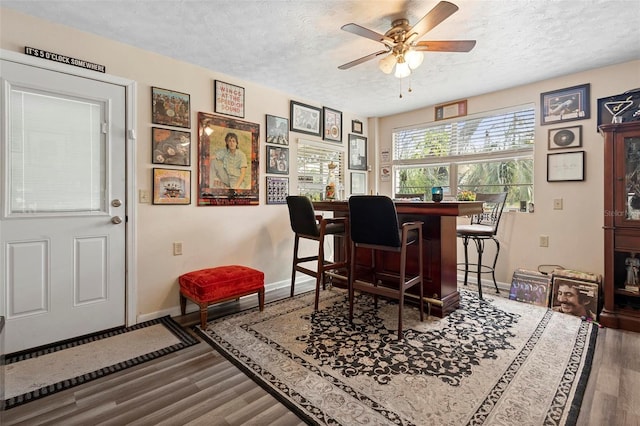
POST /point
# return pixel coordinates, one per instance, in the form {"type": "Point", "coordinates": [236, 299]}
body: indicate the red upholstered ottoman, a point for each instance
{"type": "Point", "coordinates": [213, 285]}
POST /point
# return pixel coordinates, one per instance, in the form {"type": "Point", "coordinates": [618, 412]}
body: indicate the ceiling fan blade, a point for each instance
{"type": "Point", "coordinates": [445, 46]}
{"type": "Point", "coordinates": [439, 13]}
{"type": "Point", "coordinates": [361, 60]}
{"type": "Point", "coordinates": [365, 32]}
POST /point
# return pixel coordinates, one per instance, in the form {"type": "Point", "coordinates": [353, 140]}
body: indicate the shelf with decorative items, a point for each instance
{"type": "Point", "coordinates": [621, 226]}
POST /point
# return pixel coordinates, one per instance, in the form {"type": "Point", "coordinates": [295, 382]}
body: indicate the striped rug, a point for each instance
{"type": "Point", "coordinates": [34, 374]}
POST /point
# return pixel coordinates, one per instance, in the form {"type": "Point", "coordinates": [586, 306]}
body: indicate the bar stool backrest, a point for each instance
{"type": "Point", "coordinates": [493, 207]}
{"type": "Point", "coordinates": [373, 219]}
{"type": "Point", "coordinates": [302, 216]}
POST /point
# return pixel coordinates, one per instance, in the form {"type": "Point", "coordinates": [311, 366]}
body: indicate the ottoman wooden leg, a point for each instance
{"type": "Point", "coordinates": [203, 315]}
{"type": "Point", "coordinates": [183, 304]}
{"type": "Point", "coordinates": [261, 299]}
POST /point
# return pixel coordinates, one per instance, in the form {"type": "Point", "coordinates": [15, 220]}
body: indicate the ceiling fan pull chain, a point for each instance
{"type": "Point", "coordinates": [400, 88]}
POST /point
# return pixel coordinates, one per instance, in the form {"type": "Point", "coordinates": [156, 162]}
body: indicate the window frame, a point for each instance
{"type": "Point", "coordinates": [452, 162]}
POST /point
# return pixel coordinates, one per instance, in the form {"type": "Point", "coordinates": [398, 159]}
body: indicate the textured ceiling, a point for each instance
{"type": "Point", "coordinates": [296, 46]}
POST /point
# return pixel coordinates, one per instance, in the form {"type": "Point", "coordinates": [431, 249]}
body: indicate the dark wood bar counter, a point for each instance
{"type": "Point", "coordinates": [440, 253]}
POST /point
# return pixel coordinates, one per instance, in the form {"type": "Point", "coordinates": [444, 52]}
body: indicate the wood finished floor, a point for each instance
{"type": "Point", "coordinates": [198, 386]}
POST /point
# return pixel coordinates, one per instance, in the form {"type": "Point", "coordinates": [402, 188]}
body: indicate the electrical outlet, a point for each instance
{"type": "Point", "coordinates": [143, 196]}
{"type": "Point", "coordinates": [557, 203]}
{"type": "Point", "coordinates": [177, 248]}
{"type": "Point", "coordinates": [544, 241]}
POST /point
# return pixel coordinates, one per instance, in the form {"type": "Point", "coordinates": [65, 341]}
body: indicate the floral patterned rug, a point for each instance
{"type": "Point", "coordinates": [492, 361]}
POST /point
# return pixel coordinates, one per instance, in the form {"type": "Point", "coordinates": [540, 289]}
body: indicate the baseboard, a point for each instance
{"type": "Point", "coordinates": [486, 283]}
{"type": "Point", "coordinates": [174, 311]}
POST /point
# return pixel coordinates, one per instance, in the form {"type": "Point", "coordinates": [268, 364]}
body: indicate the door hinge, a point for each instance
{"type": "Point", "coordinates": [104, 128]}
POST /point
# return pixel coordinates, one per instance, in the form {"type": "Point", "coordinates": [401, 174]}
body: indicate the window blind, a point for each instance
{"type": "Point", "coordinates": [506, 133]}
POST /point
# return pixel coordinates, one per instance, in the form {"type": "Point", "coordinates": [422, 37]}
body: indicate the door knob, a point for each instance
{"type": "Point", "coordinates": [116, 220]}
{"type": "Point", "coordinates": [116, 203]}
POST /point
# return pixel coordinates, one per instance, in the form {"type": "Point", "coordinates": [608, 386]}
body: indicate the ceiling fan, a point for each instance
{"type": "Point", "coordinates": [404, 51]}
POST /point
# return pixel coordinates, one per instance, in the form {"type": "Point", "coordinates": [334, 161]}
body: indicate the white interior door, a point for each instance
{"type": "Point", "coordinates": [62, 227]}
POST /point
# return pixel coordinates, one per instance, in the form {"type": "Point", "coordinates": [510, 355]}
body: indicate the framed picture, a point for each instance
{"type": "Point", "coordinates": [575, 297]}
{"type": "Point", "coordinates": [228, 159]}
{"type": "Point", "coordinates": [358, 183]}
{"type": "Point", "coordinates": [565, 137]}
{"type": "Point", "coordinates": [565, 166]}
{"type": "Point", "coordinates": [170, 108]}
{"type": "Point", "coordinates": [356, 126]}
{"type": "Point", "coordinates": [277, 190]}
{"type": "Point", "coordinates": [171, 186]}
{"type": "Point", "coordinates": [623, 107]}
{"type": "Point", "coordinates": [567, 104]}
{"type": "Point", "coordinates": [305, 118]}
{"type": "Point", "coordinates": [530, 287]}
{"type": "Point", "coordinates": [450, 110]}
{"type": "Point", "coordinates": [171, 147]}
{"type": "Point", "coordinates": [228, 99]}
{"type": "Point", "coordinates": [277, 130]}
{"type": "Point", "coordinates": [332, 128]}
{"type": "Point", "coordinates": [357, 152]}
{"type": "Point", "coordinates": [277, 160]}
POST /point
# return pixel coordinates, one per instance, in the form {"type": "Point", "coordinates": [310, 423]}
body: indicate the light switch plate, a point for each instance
{"type": "Point", "coordinates": [144, 196]}
{"type": "Point", "coordinates": [557, 203]}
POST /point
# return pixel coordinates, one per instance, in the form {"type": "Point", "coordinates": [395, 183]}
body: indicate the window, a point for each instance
{"type": "Point", "coordinates": [313, 170]}
{"type": "Point", "coordinates": [482, 153]}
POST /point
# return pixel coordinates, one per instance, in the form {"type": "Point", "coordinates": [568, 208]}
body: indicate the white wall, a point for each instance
{"type": "Point", "coordinates": [259, 236]}
{"type": "Point", "coordinates": [575, 233]}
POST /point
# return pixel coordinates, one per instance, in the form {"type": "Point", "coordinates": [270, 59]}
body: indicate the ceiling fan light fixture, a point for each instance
{"type": "Point", "coordinates": [386, 64]}
{"type": "Point", "coordinates": [402, 68]}
{"type": "Point", "coordinates": [414, 58]}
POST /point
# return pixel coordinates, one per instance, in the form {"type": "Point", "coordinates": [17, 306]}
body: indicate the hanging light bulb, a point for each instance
{"type": "Point", "coordinates": [414, 58]}
{"type": "Point", "coordinates": [386, 64]}
{"type": "Point", "coordinates": [402, 68]}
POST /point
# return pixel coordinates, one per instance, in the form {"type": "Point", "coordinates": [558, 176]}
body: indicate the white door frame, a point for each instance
{"type": "Point", "coordinates": [130, 99]}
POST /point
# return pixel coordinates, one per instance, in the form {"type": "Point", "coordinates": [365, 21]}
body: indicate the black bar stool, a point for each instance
{"type": "Point", "coordinates": [373, 223]}
{"type": "Point", "coordinates": [306, 224]}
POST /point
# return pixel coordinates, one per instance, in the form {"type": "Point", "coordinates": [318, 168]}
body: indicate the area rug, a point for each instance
{"type": "Point", "coordinates": [46, 370]}
{"type": "Point", "coordinates": [493, 361]}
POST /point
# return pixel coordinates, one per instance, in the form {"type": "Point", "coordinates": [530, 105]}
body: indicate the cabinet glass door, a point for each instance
{"type": "Point", "coordinates": [632, 178]}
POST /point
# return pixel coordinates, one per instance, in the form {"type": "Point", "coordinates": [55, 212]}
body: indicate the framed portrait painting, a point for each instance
{"type": "Point", "coordinates": [228, 160]}
{"type": "Point", "coordinates": [171, 147]}
{"type": "Point", "coordinates": [571, 103]}
{"type": "Point", "coordinates": [332, 127]}
{"type": "Point", "coordinates": [170, 108]}
{"type": "Point", "coordinates": [305, 118]}
{"type": "Point", "coordinates": [171, 186]}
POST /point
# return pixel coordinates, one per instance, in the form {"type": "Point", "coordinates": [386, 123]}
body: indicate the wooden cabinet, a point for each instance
{"type": "Point", "coordinates": [621, 224]}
